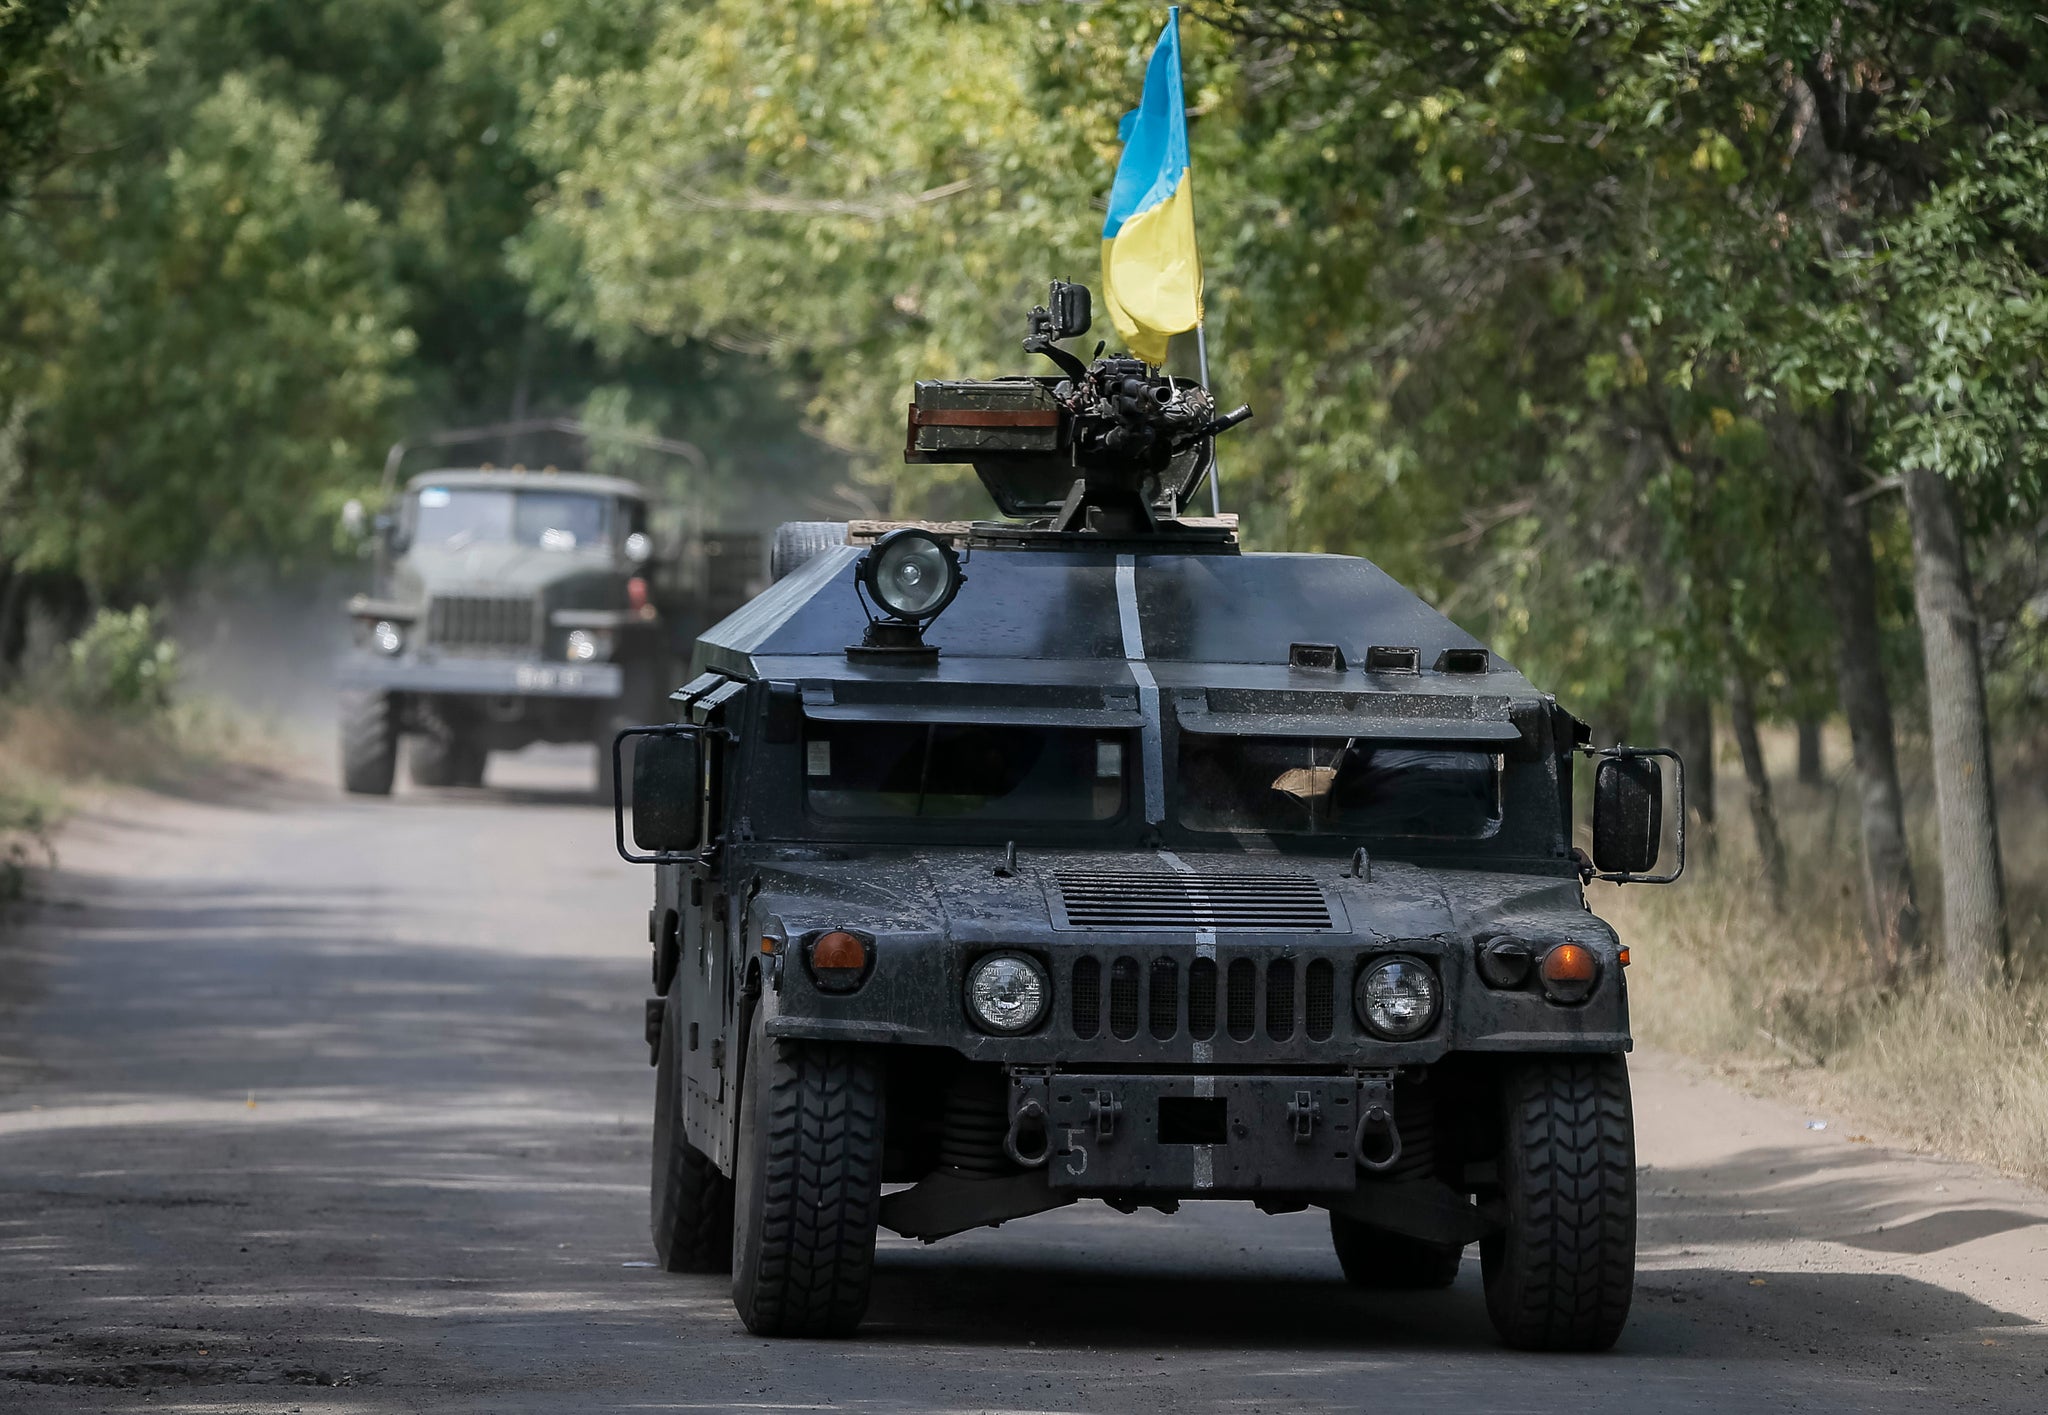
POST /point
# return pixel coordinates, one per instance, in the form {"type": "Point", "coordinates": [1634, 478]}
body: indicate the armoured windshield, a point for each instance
{"type": "Point", "coordinates": [1336, 786]}
{"type": "Point", "coordinates": [964, 772]}
{"type": "Point", "coordinates": [450, 517]}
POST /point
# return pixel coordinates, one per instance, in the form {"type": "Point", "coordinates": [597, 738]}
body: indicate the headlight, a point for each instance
{"type": "Point", "coordinates": [1397, 998]}
{"type": "Point", "coordinates": [1008, 992]}
{"type": "Point", "coordinates": [387, 638]}
{"type": "Point", "coordinates": [911, 574]}
{"type": "Point", "coordinates": [589, 645]}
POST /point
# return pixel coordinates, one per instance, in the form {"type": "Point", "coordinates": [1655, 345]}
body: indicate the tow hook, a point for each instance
{"type": "Point", "coordinates": [1376, 1117]}
{"type": "Point", "coordinates": [1027, 1122]}
{"type": "Point", "coordinates": [1302, 1114]}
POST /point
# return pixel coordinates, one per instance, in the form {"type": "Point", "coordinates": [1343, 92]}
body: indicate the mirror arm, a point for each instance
{"type": "Point", "coordinates": [659, 857]}
{"type": "Point", "coordinates": [1678, 825]}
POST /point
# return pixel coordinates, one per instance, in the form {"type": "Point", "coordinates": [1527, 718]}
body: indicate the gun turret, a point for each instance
{"type": "Point", "coordinates": [1112, 446]}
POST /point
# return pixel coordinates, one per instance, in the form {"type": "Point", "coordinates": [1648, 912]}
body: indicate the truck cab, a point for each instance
{"type": "Point", "coordinates": [507, 607]}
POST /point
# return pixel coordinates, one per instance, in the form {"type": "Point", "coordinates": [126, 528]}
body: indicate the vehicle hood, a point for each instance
{"type": "Point", "coordinates": [958, 894]}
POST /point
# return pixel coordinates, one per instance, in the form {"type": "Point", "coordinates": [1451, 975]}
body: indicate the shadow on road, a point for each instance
{"type": "Point", "coordinates": [306, 1120]}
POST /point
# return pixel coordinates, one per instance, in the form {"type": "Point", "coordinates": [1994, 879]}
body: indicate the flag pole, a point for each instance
{"type": "Point", "coordinates": [1215, 463]}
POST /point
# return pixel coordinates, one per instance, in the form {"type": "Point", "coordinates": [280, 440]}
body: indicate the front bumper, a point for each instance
{"type": "Point", "coordinates": [482, 677]}
{"type": "Point", "coordinates": [1115, 1134]}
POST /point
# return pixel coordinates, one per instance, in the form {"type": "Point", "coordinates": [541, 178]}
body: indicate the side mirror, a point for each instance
{"type": "Point", "coordinates": [668, 792]}
{"type": "Point", "coordinates": [1072, 310]}
{"type": "Point", "coordinates": [1628, 814]}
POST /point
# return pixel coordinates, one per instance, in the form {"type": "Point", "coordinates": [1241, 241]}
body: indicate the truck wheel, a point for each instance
{"type": "Point", "coordinates": [798, 542]}
{"type": "Point", "coordinates": [435, 760]}
{"type": "Point", "coordinates": [1560, 1274]}
{"type": "Point", "coordinates": [1375, 1259]}
{"type": "Point", "coordinates": [369, 743]}
{"type": "Point", "coordinates": [807, 1186]}
{"type": "Point", "coordinates": [690, 1201]}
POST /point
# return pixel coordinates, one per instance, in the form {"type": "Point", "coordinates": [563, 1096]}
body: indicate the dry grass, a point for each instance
{"type": "Point", "coordinates": [1787, 1002]}
{"type": "Point", "coordinates": [51, 757]}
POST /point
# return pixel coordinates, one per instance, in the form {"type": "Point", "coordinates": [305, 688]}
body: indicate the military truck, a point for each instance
{"type": "Point", "coordinates": [511, 606]}
{"type": "Point", "coordinates": [1084, 855]}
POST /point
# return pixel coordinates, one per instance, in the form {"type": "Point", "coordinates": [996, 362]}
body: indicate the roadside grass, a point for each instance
{"type": "Point", "coordinates": [54, 757]}
{"type": "Point", "coordinates": [1786, 1002]}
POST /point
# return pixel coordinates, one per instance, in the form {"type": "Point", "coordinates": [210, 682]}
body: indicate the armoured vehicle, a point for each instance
{"type": "Point", "coordinates": [1082, 854]}
{"type": "Point", "coordinates": [512, 606]}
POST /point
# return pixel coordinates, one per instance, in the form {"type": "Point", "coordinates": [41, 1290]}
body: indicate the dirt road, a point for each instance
{"type": "Point", "coordinates": [310, 1104]}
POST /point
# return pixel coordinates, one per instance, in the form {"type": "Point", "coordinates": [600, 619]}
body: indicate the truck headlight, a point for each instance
{"type": "Point", "coordinates": [1007, 992]}
{"type": "Point", "coordinates": [387, 638]}
{"type": "Point", "coordinates": [589, 645]}
{"type": "Point", "coordinates": [1397, 998]}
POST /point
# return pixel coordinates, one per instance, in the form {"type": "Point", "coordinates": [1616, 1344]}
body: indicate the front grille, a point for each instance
{"type": "Point", "coordinates": [1280, 999]}
{"type": "Point", "coordinates": [1322, 1000]}
{"type": "Point", "coordinates": [1155, 899]}
{"type": "Point", "coordinates": [1244, 1004]}
{"type": "Point", "coordinates": [1202, 999]}
{"type": "Point", "coordinates": [1244, 998]}
{"type": "Point", "coordinates": [1123, 999]}
{"type": "Point", "coordinates": [1087, 999]}
{"type": "Point", "coordinates": [482, 624]}
{"type": "Point", "coordinates": [1163, 1004]}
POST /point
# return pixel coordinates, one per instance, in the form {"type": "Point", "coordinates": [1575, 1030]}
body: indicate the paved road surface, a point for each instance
{"type": "Point", "coordinates": [310, 1104]}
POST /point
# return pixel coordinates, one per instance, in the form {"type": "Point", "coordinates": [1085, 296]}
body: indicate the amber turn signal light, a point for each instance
{"type": "Point", "coordinates": [1569, 972]}
{"type": "Point", "coordinates": [839, 961]}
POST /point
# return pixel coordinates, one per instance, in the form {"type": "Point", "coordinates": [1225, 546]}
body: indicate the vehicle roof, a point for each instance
{"type": "Point", "coordinates": [1087, 619]}
{"type": "Point", "coordinates": [519, 477]}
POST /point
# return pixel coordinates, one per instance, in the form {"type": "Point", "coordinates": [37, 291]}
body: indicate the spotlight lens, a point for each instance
{"type": "Point", "coordinates": [912, 575]}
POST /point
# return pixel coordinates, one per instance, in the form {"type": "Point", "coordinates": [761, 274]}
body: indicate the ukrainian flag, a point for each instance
{"type": "Point", "coordinates": [1151, 274]}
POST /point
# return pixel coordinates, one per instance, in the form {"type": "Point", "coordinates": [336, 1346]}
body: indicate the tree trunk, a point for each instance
{"type": "Point", "coordinates": [1975, 942]}
{"type": "Point", "coordinates": [1689, 729]}
{"type": "Point", "coordinates": [1892, 913]}
{"type": "Point", "coordinates": [1763, 816]}
{"type": "Point", "coordinates": [1812, 767]}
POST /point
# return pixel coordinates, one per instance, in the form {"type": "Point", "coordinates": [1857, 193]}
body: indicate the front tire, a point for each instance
{"type": "Point", "coordinates": [690, 1202]}
{"type": "Point", "coordinates": [437, 760]}
{"type": "Point", "coordinates": [369, 743]}
{"type": "Point", "coordinates": [1560, 1274]}
{"type": "Point", "coordinates": [1391, 1262]}
{"type": "Point", "coordinates": [808, 1186]}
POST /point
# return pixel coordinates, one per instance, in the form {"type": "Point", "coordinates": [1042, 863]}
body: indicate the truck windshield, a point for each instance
{"type": "Point", "coordinates": [966, 772]}
{"type": "Point", "coordinates": [451, 517]}
{"type": "Point", "coordinates": [1336, 786]}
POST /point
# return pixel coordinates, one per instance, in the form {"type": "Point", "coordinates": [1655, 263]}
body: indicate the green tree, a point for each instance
{"type": "Point", "coordinates": [198, 352]}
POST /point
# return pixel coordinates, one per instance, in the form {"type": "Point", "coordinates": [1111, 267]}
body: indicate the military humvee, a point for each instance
{"type": "Point", "coordinates": [1085, 855]}
{"type": "Point", "coordinates": [511, 607]}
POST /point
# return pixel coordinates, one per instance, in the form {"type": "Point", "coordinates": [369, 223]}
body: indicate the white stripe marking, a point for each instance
{"type": "Point", "coordinates": [1148, 688]}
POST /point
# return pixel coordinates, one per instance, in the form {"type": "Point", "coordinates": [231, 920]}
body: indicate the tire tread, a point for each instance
{"type": "Point", "coordinates": [1562, 1276]}
{"type": "Point", "coordinates": [369, 743]}
{"type": "Point", "coordinates": [820, 1192]}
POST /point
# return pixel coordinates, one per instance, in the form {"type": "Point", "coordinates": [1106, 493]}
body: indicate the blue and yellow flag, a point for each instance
{"type": "Point", "coordinates": [1151, 274]}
